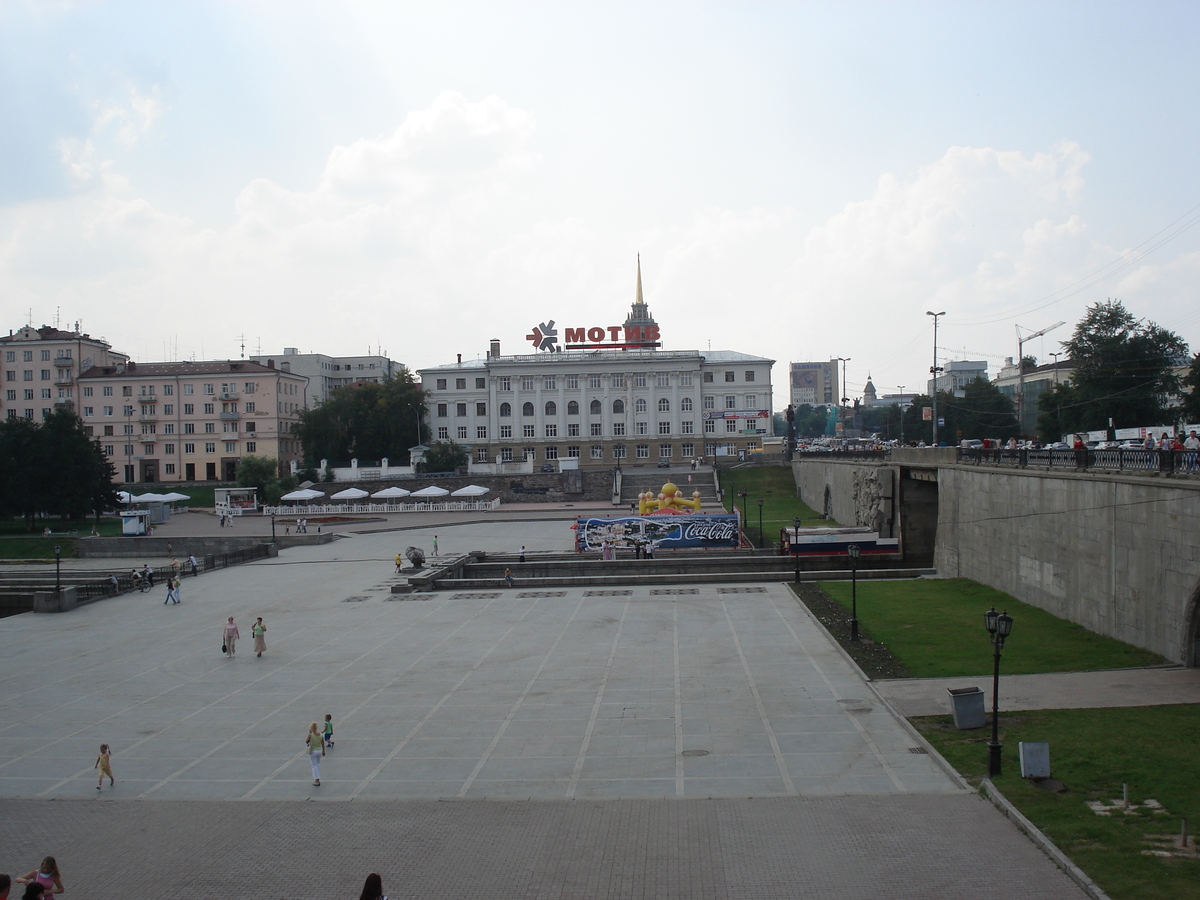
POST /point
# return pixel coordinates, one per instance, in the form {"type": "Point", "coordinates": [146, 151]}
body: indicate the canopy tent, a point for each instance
{"type": "Point", "coordinates": [150, 497]}
{"type": "Point", "coordinates": [349, 494]}
{"type": "Point", "coordinates": [471, 490]}
{"type": "Point", "coordinates": [428, 492]}
{"type": "Point", "coordinates": [303, 494]}
{"type": "Point", "coordinates": [124, 496]}
{"type": "Point", "coordinates": [391, 493]}
{"type": "Point", "coordinates": [174, 496]}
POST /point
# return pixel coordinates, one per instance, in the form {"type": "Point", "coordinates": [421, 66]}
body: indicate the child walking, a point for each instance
{"type": "Point", "coordinates": [104, 765]}
{"type": "Point", "coordinates": [328, 730]}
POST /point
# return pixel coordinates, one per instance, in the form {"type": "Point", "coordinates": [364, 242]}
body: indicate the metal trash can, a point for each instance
{"type": "Point", "coordinates": [966, 705]}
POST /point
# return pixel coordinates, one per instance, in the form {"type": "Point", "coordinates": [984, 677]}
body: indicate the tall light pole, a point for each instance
{"type": "Point", "coordinates": [795, 538]}
{"type": "Point", "coordinates": [844, 400]}
{"type": "Point", "coordinates": [57, 569]}
{"type": "Point", "coordinates": [901, 414]}
{"type": "Point", "coordinates": [761, 542]}
{"type": "Point", "coordinates": [853, 551]}
{"type": "Point", "coordinates": [1056, 356]}
{"type": "Point", "coordinates": [999, 626]}
{"type": "Point", "coordinates": [934, 370]}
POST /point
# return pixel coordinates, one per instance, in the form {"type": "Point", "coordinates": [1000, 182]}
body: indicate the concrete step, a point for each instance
{"type": "Point", "coordinates": [633, 578]}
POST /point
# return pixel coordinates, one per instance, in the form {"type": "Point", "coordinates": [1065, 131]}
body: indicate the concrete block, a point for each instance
{"type": "Point", "coordinates": [56, 601]}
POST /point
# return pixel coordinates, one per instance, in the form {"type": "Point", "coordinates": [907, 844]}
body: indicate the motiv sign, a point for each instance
{"type": "Point", "coordinates": [611, 337]}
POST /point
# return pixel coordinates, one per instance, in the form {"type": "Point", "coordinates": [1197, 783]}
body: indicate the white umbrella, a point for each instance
{"type": "Point", "coordinates": [124, 496]}
{"type": "Point", "coordinates": [471, 490]}
{"type": "Point", "coordinates": [175, 495]}
{"type": "Point", "coordinates": [349, 494]}
{"type": "Point", "coordinates": [390, 493]}
{"type": "Point", "coordinates": [149, 497]}
{"type": "Point", "coordinates": [302, 494]}
{"type": "Point", "coordinates": [432, 491]}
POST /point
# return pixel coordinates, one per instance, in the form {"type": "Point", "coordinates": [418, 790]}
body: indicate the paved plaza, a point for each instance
{"type": "Point", "coordinates": [495, 743]}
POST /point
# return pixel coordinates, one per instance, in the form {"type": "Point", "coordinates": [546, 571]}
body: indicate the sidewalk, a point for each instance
{"type": "Point", "coordinates": [1157, 686]}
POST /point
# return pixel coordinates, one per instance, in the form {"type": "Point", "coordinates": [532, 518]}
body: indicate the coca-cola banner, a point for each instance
{"type": "Point", "coordinates": [657, 531]}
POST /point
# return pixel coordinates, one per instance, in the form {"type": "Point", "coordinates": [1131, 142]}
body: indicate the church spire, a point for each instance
{"type": "Point", "coordinates": [639, 314]}
{"type": "Point", "coordinates": [638, 298]}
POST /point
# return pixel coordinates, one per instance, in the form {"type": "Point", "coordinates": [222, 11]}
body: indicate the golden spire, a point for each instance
{"type": "Point", "coordinates": [638, 298]}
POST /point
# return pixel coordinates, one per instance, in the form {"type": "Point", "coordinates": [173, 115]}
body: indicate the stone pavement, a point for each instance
{"type": "Point", "coordinates": [499, 743]}
{"type": "Point", "coordinates": [1156, 686]}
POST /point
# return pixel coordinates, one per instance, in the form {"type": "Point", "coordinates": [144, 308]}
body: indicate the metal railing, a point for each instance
{"type": "Point", "coordinates": [1169, 462]}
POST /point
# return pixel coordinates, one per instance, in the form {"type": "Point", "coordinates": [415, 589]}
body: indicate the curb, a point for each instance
{"type": "Point", "coordinates": [1044, 843]}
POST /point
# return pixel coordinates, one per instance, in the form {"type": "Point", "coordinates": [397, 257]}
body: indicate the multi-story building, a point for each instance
{"type": "Point", "coordinates": [190, 421]}
{"type": "Point", "coordinates": [815, 383]}
{"type": "Point", "coordinates": [957, 374]}
{"type": "Point", "coordinates": [41, 366]}
{"type": "Point", "coordinates": [609, 397]}
{"type": "Point", "coordinates": [328, 373]}
{"type": "Point", "coordinates": [1036, 381]}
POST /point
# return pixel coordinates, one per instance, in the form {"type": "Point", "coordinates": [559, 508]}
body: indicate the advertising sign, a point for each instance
{"type": "Point", "coordinates": [660, 531]}
{"type": "Point", "coordinates": [544, 336]}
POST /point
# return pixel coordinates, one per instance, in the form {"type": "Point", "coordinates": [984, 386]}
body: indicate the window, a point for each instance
{"type": "Point", "coordinates": [751, 445]}
{"type": "Point", "coordinates": [229, 427]}
{"type": "Point", "coordinates": [686, 404]}
{"type": "Point", "coordinates": [169, 428]}
{"type": "Point", "coordinates": [460, 384]}
{"type": "Point", "coordinates": [187, 389]}
{"type": "Point", "coordinates": [148, 428]}
{"type": "Point", "coordinates": [108, 410]}
{"type": "Point", "coordinates": [249, 406]}
{"type": "Point", "coordinates": [572, 383]}
{"type": "Point", "coordinates": [551, 430]}
{"type": "Point", "coordinates": [10, 356]}
{"type": "Point", "coordinates": [10, 375]}
{"type": "Point", "coordinates": [189, 448]}
{"type": "Point", "coordinates": [749, 374]}
{"type": "Point", "coordinates": [685, 427]}
{"type": "Point", "coordinates": [707, 377]}
{"type": "Point", "coordinates": [527, 382]}
{"type": "Point", "coordinates": [250, 427]}
{"type": "Point", "coordinates": [572, 408]}
{"type": "Point", "coordinates": [548, 383]}
{"type": "Point", "coordinates": [527, 409]}
{"type": "Point", "coordinates": [751, 401]}
{"type": "Point", "coordinates": [462, 432]}
{"type": "Point", "coordinates": [596, 429]}
{"type": "Point", "coordinates": [731, 449]}
{"type": "Point", "coordinates": [108, 448]}
{"type": "Point", "coordinates": [685, 380]}
{"type": "Point", "coordinates": [597, 451]}
{"type": "Point", "coordinates": [28, 393]}
{"type": "Point", "coordinates": [663, 379]}
{"type": "Point", "coordinates": [481, 455]}
{"type": "Point", "coordinates": [504, 383]}
{"type": "Point", "coordinates": [45, 354]}
{"type": "Point", "coordinates": [527, 431]}
{"type": "Point", "coordinates": [618, 451]}
{"type": "Point", "coordinates": [594, 382]}
{"type": "Point", "coordinates": [731, 426]}
{"type": "Point", "coordinates": [594, 407]}
{"type": "Point", "coordinates": [639, 380]}
{"type": "Point", "coordinates": [481, 409]}
{"type": "Point", "coordinates": [443, 410]}
{"type": "Point", "coordinates": [664, 404]}
{"type": "Point", "coordinates": [729, 376]}
{"type": "Point", "coordinates": [618, 381]}
{"type": "Point", "coordinates": [189, 427]}
{"type": "Point", "coordinates": [27, 375]}
{"type": "Point", "coordinates": [529, 453]}
{"type": "Point", "coordinates": [210, 427]}
{"type": "Point", "coordinates": [169, 468]}
{"type": "Point", "coordinates": [664, 451]}
{"type": "Point", "coordinates": [664, 427]}
{"type": "Point", "coordinates": [640, 405]}
{"type": "Point", "coordinates": [10, 395]}
{"type": "Point", "coordinates": [551, 409]}
{"type": "Point", "coordinates": [460, 410]}
{"type": "Point", "coordinates": [127, 410]}
{"type": "Point", "coordinates": [189, 409]}
{"type": "Point", "coordinates": [505, 432]}
{"type": "Point", "coordinates": [551, 453]}
{"type": "Point", "coordinates": [251, 446]}
{"type": "Point", "coordinates": [480, 384]}
{"type": "Point", "coordinates": [169, 449]}
{"type": "Point", "coordinates": [710, 426]}
{"type": "Point", "coordinates": [481, 433]}
{"type": "Point", "coordinates": [731, 401]}
{"type": "Point", "coordinates": [45, 374]}
{"type": "Point", "coordinates": [643, 451]}
{"type": "Point", "coordinates": [45, 393]}
{"type": "Point", "coordinates": [441, 384]}
{"type": "Point", "coordinates": [87, 391]}
{"type": "Point", "coordinates": [573, 452]}
{"type": "Point", "coordinates": [618, 429]}
{"type": "Point", "coordinates": [210, 448]}
{"type": "Point", "coordinates": [208, 389]}
{"type": "Point", "coordinates": [209, 409]}
{"type": "Point", "coordinates": [618, 407]}
{"type": "Point", "coordinates": [168, 409]}
{"type": "Point", "coordinates": [87, 410]}
{"type": "Point", "coordinates": [686, 450]}
{"type": "Point", "coordinates": [127, 429]}
{"type": "Point", "coordinates": [505, 410]}
{"type": "Point", "coordinates": [506, 454]}
{"type": "Point", "coordinates": [27, 356]}
{"type": "Point", "coordinates": [443, 433]}
{"type": "Point", "coordinates": [573, 429]}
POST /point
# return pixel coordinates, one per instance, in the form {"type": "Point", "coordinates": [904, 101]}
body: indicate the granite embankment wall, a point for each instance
{"type": "Point", "coordinates": [1117, 554]}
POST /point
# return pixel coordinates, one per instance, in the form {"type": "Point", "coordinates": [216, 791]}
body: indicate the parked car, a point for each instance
{"type": "Point", "coordinates": [1108, 445]}
{"type": "Point", "coordinates": [1058, 445]}
{"type": "Point", "coordinates": [972, 444]}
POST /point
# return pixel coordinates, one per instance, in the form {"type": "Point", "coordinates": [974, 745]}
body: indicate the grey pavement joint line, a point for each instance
{"type": "Point", "coordinates": [679, 782]}
{"type": "Point", "coordinates": [879, 755]}
{"type": "Point", "coordinates": [462, 792]}
{"type": "Point", "coordinates": [591, 725]}
{"type": "Point", "coordinates": [762, 710]}
{"type": "Point", "coordinates": [213, 750]}
{"type": "Point", "coordinates": [395, 751]}
{"type": "Point", "coordinates": [287, 763]}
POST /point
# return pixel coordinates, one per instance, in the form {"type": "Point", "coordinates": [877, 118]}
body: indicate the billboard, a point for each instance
{"type": "Point", "coordinates": [661, 531]}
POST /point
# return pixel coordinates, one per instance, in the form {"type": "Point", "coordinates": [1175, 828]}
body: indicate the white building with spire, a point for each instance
{"type": "Point", "coordinates": [598, 395]}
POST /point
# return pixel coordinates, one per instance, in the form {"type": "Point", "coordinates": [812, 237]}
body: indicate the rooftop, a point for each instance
{"type": "Point", "coordinates": [603, 356]}
{"type": "Point", "coordinates": [173, 369]}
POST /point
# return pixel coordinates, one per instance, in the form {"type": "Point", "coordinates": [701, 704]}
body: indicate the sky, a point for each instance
{"type": "Point", "coordinates": [802, 180]}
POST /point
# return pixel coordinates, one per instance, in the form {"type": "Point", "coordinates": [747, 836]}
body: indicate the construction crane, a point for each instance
{"type": "Point", "coordinates": [1021, 370]}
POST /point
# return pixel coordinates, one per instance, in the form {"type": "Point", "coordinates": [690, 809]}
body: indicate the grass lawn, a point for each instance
{"type": "Point", "coordinates": [1093, 752]}
{"type": "Point", "coordinates": [17, 543]}
{"type": "Point", "coordinates": [934, 627]}
{"type": "Point", "coordinates": [777, 488]}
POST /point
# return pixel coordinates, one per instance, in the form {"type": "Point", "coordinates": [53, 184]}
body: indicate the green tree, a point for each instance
{"type": "Point", "coordinates": [982, 412]}
{"type": "Point", "coordinates": [262, 472]}
{"type": "Point", "coordinates": [1189, 409]}
{"type": "Point", "coordinates": [1122, 371]}
{"type": "Point", "coordinates": [443, 456]}
{"type": "Point", "coordinates": [367, 421]}
{"type": "Point", "coordinates": [881, 420]}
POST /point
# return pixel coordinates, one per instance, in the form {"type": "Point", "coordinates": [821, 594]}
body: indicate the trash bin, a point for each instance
{"type": "Point", "coordinates": [966, 704]}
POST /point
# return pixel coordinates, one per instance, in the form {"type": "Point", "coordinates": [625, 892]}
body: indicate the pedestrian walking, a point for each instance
{"type": "Point", "coordinates": [170, 591]}
{"type": "Point", "coordinates": [372, 888]}
{"type": "Point", "coordinates": [508, 579]}
{"type": "Point", "coordinates": [435, 553]}
{"type": "Point", "coordinates": [46, 875]}
{"type": "Point", "coordinates": [229, 636]}
{"type": "Point", "coordinates": [104, 765]}
{"type": "Point", "coordinates": [328, 730]}
{"type": "Point", "coordinates": [399, 562]}
{"type": "Point", "coordinates": [316, 749]}
{"type": "Point", "coordinates": [192, 562]}
{"type": "Point", "coordinates": [260, 642]}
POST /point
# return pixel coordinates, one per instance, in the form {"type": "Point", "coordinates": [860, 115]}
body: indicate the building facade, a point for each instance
{"type": "Point", "coordinates": [326, 374]}
{"type": "Point", "coordinates": [41, 366]}
{"type": "Point", "coordinates": [815, 383]}
{"type": "Point", "coordinates": [598, 404]}
{"type": "Point", "coordinates": [190, 421]}
{"type": "Point", "coordinates": [957, 374]}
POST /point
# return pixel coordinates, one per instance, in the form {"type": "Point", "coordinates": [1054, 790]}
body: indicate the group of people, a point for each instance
{"type": "Point", "coordinates": [44, 881]}
{"type": "Point", "coordinates": [226, 519]}
{"type": "Point", "coordinates": [230, 634]}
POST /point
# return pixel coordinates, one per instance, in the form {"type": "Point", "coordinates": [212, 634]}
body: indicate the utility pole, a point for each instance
{"type": "Point", "coordinates": [934, 371]}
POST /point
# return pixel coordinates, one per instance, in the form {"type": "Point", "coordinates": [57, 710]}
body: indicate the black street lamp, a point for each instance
{"type": "Point", "coordinates": [795, 553]}
{"type": "Point", "coordinates": [853, 551]}
{"type": "Point", "coordinates": [57, 569]}
{"type": "Point", "coordinates": [999, 626]}
{"type": "Point", "coordinates": [272, 527]}
{"type": "Point", "coordinates": [761, 541]}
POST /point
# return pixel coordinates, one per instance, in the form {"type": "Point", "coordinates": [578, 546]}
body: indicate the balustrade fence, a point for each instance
{"type": "Point", "coordinates": [1170, 462]}
{"type": "Point", "coordinates": [334, 509]}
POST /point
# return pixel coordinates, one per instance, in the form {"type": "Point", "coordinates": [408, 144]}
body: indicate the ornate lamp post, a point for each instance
{"type": "Point", "coordinates": [999, 626]}
{"type": "Point", "coordinates": [795, 554]}
{"type": "Point", "coordinates": [853, 551]}
{"type": "Point", "coordinates": [57, 569]}
{"type": "Point", "coordinates": [761, 540]}
{"type": "Point", "coordinates": [272, 526]}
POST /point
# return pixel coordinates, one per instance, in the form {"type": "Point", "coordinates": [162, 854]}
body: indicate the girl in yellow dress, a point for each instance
{"type": "Point", "coordinates": [105, 767]}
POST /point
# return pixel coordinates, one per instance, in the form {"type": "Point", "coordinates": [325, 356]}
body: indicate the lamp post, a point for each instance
{"type": "Point", "coordinates": [760, 531]}
{"type": "Point", "coordinates": [844, 400]}
{"type": "Point", "coordinates": [901, 414]}
{"type": "Point", "coordinates": [934, 370]}
{"type": "Point", "coordinates": [999, 626]}
{"type": "Point", "coordinates": [57, 569]}
{"type": "Point", "coordinates": [272, 526]}
{"type": "Point", "coordinates": [795, 553]}
{"type": "Point", "coordinates": [853, 551]}
{"type": "Point", "coordinates": [1056, 356]}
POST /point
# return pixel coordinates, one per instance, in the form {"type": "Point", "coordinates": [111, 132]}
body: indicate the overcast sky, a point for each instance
{"type": "Point", "coordinates": [802, 180]}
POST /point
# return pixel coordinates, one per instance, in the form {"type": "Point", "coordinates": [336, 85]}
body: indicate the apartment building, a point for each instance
{"type": "Point", "coordinates": [41, 366]}
{"type": "Point", "coordinates": [327, 374]}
